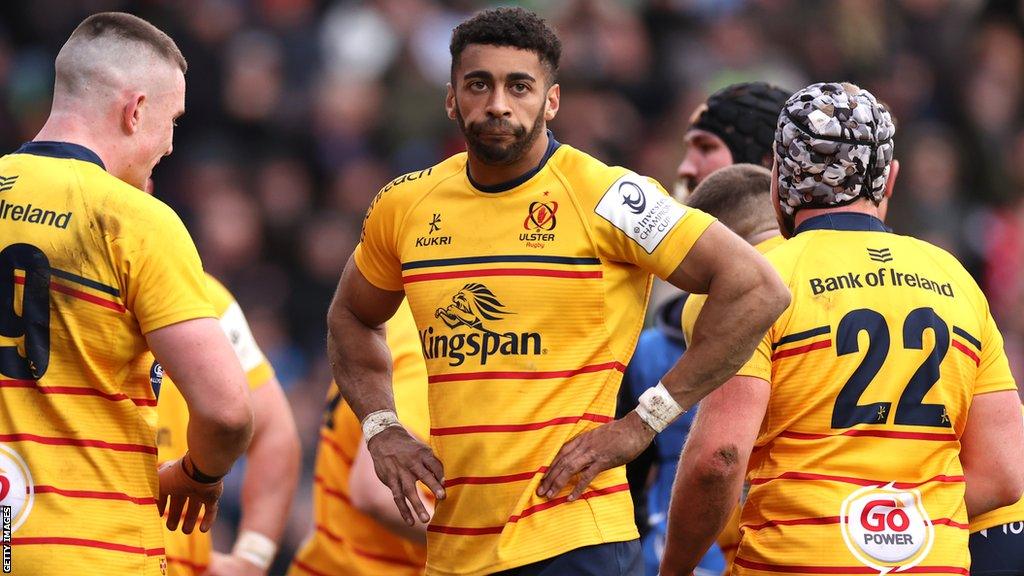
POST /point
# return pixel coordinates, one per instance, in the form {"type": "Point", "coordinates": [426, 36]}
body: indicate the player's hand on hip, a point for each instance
{"type": "Point", "coordinates": [593, 452]}
{"type": "Point", "coordinates": [400, 460]}
{"type": "Point", "coordinates": [179, 492]}
{"type": "Point", "coordinates": [231, 565]}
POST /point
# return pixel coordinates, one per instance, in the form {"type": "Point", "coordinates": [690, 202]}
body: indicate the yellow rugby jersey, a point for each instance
{"type": "Point", "coordinates": [88, 264]}
{"type": "Point", "coordinates": [529, 299]}
{"type": "Point", "coordinates": [189, 554]}
{"type": "Point", "coordinates": [999, 516]}
{"type": "Point", "coordinates": [346, 542]}
{"type": "Point", "coordinates": [729, 539]}
{"type": "Point", "coordinates": [873, 369]}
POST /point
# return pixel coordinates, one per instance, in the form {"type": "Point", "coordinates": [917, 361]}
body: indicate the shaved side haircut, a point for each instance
{"type": "Point", "coordinates": [739, 196]}
{"type": "Point", "coordinates": [112, 49]}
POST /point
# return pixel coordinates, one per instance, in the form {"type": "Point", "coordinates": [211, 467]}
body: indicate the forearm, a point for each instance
{"type": "Point", "coordinates": [273, 465]}
{"type": "Point", "coordinates": [360, 362]}
{"type": "Point", "coordinates": [214, 446]}
{"type": "Point", "coordinates": [736, 315]}
{"type": "Point", "coordinates": [701, 505]}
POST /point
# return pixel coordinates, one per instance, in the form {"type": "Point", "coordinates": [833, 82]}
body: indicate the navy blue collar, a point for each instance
{"type": "Point", "coordinates": [505, 186]}
{"type": "Point", "coordinates": [852, 221]}
{"type": "Point", "coordinates": [61, 150]}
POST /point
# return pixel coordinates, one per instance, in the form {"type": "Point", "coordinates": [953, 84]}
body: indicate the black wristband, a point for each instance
{"type": "Point", "coordinates": [193, 472]}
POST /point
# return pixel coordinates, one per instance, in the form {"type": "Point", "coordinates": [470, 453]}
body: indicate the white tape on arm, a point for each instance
{"type": "Point", "coordinates": [658, 408]}
{"type": "Point", "coordinates": [255, 548]}
{"type": "Point", "coordinates": [376, 422]}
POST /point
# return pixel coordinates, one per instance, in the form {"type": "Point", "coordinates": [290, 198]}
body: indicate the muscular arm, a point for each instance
{"type": "Point", "coordinates": [745, 295]}
{"type": "Point", "coordinates": [991, 450]}
{"type": "Point", "coordinates": [358, 352]}
{"type": "Point", "coordinates": [199, 358]}
{"type": "Point", "coordinates": [371, 497]}
{"type": "Point", "coordinates": [356, 345]}
{"type": "Point", "coordinates": [273, 461]}
{"type": "Point", "coordinates": [710, 474]}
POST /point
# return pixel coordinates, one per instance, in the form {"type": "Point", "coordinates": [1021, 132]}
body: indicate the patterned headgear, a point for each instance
{"type": "Point", "coordinates": [834, 145]}
{"type": "Point", "coordinates": [743, 116]}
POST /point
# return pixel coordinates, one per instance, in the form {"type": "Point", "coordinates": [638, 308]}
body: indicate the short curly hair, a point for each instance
{"type": "Point", "coordinates": [515, 27]}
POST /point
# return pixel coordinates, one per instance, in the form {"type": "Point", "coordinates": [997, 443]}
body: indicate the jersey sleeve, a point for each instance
{"type": "Point", "coordinates": [376, 255]}
{"type": "Point", "coordinates": [760, 363]}
{"type": "Point", "coordinates": [160, 268]}
{"type": "Point", "coordinates": [258, 370]}
{"type": "Point", "coordinates": [641, 224]}
{"type": "Point", "coordinates": [993, 367]}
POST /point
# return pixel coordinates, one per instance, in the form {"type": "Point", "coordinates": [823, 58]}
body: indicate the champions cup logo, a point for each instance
{"type": "Point", "coordinates": [541, 216]}
{"type": "Point", "coordinates": [475, 307]}
{"type": "Point", "coordinates": [17, 489]}
{"type": "Point", "coordinates": [886, 528]}
{"type": "Point", "coordinates": [633, 197]}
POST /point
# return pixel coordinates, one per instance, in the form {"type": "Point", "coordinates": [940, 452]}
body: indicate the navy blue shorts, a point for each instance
{"type": "Point", "coordinates": [612, 559]}
{"type": "Point", "coordinates": [999, 551]}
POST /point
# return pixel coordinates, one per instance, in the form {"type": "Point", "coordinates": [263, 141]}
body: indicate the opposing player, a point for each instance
{"type": "Point", "coordinates": [879, 407]}
{"type": "Point", "coordinates": [735, 125]}
{"type": "Point", "coordinates": [527, 264]}
{"type": "Point", "coordinates": [272, 460]}
{"type": "Point", "coordinates": [94, 273]}
{"type": "Point", "coordinates": [358, 530]}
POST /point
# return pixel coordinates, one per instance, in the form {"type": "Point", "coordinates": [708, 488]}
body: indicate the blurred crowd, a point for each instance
{"type": "Point", "coordinates": [298, 111]}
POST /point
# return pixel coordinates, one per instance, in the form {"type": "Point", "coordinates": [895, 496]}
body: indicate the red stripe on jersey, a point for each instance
{"type": "Point", "coordinates": [434, 379]}
{"type": "Point", "coordinates": [802, 349]}
{"type": "Point", "coordinates": [844, 569]}
{"type": "Point", "coordinates": [296, 563]}
{"type": "Point", "coordinates": [853, 480]}
{"type": "Point", "coordinates": [501, 272]}
{"type": "Point", "coordinates": [331, 491]}
{"type": "Point", "coordinates": [141, 500]}
{"type": "Point", "coordinates": [365, 554]}
{"type": "Point", "coordinates": [78, 294]}
{"type": "Point", "coordinates": [196, 568]}
{"type": "Point", "coordinates": [527, 512]}
{"type": "Point", "coordinates": [328, 441]}
{"type": "Point", "coordinates": [76, 442]}
{"type": "Point", "coordinates": [794, 522]}
{"type": "Point", "coordinates": [494, 479]}
{"type": "Point", "coordinates": [28, 540]}
{"type": "Point", "coordinates": [483, 428]}
{"type": "Point", "coordinates": [75, 391]}
{"type": "Point", "coordinates": [970, 353]}
{"type": "Point", "coordinates": [872, 434]}
{"type": "Point", "coordinates": [951, 523]}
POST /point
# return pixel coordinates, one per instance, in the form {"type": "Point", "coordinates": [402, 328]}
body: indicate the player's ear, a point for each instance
{"type": "Point", "coordinates": [551, 103]}
{"type": "Point", "coordinates": [449, 102]}
{"type": "Point", "coordinates": [131, 114]}
{"type": "Point", "coordinates": [890, 182]}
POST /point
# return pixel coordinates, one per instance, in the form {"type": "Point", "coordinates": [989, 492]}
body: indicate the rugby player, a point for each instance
{"type": "Point", "coordinates": [735, 124]}
{"type": "Point", "coordinates": [527, 266]}
{"type": "Point", "coordinates": [95, 273]}
{"type": "Point", "coordinates": [878, 412]}
{"type": "Point", "coordinates": [357, 530]}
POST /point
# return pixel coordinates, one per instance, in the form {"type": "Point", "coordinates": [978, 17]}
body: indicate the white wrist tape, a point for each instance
{"type": "Point", "coordinates": [255, 548]}
{"type": "Point", "coordinates": [376, 422]}
{"type": "Point", "coordinates": [658, 408]}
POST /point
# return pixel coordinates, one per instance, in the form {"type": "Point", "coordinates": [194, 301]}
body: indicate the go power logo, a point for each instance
{"type": "Point", "coordinates": [17, 490]}
{"type": "Point", "coordinates": [886, 528]}
{"type": "Point", "coordinates": [470, 316]}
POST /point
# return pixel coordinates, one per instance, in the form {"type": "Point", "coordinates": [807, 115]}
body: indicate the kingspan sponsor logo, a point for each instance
{"type": "Point", "coordinates": [475, 307]}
